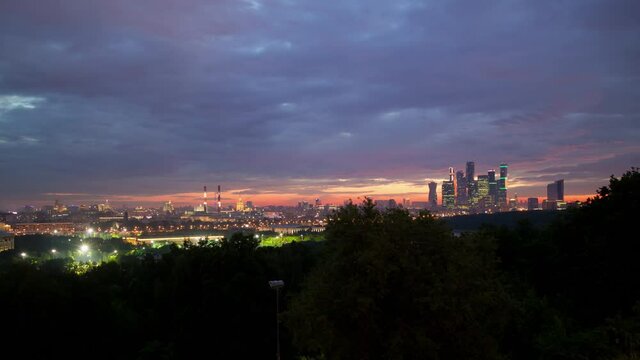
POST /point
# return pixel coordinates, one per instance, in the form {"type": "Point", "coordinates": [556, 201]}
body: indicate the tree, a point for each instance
{"type": "Point", "coordinates": [396, 287]}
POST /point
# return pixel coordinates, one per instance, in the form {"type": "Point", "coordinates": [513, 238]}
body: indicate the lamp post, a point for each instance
{"type": "Point", "coordinates": [277, 284]}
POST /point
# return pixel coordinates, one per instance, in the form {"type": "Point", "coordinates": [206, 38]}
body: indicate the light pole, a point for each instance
{"type": "Point", "coordinates": [277, 284]}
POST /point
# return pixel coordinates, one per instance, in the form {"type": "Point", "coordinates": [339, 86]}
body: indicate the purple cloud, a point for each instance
{"type": "Point", "coordinates": [159, 97]}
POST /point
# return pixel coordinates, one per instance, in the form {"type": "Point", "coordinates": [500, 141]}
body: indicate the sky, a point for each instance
{"type": "Point", "coordinates": [281, 101]}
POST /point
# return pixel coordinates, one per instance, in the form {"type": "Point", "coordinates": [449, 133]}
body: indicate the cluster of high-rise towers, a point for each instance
{"type": "Point", "coordinates": [464, 190]}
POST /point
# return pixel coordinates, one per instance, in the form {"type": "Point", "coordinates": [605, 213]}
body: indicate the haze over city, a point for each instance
{"type": "Point", "coordinates": [145, 102]}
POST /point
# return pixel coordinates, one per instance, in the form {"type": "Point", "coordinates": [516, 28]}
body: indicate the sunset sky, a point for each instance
{"type": "Point", "coordinates": [281, 101]}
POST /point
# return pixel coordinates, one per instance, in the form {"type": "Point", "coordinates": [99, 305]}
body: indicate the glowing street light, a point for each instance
{"type": "Point", "coordinates": [53, 251]}
{"type": "Point", "coordinates": [84, 248]}
{"type": "Point", "coordinates": [24, 255]}
{"type": "Point", "coordinates": [90, 231]}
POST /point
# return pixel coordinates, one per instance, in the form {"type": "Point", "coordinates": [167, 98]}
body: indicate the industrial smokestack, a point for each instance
{"type": "Point", "coordinates": [205, 199]}
{"type": "Point", "coordinates": [219, 202]}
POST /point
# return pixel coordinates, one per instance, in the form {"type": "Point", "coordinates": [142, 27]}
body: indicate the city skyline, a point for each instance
{"type": "Point", "coordinates": [279, 101]}
{"type": "Point", "coordinates": [379, 192]}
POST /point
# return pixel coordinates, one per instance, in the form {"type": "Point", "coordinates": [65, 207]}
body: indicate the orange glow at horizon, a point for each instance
{"type": "Point", "coordinates": [285, 199]}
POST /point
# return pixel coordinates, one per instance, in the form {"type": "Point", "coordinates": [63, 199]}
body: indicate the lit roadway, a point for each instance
{"type": "Point", "coordinates": [182, 238]}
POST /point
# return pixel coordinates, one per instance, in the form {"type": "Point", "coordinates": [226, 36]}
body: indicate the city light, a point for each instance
{"type": "Point", "coordinates": [53, 251]}
{"type": "Point", "coordinates": [24, 255]}
{"type": "Point", "coordinates": [84, 248]}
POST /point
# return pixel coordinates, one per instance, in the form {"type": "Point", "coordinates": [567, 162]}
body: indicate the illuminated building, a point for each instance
{"type": "Point", "coordinates": [452, 178]}
{"type": "Point", "coordinates": [104, 207]}
{"type": "Point", "coordinates": [6, 241]}
{"type": "Point", "coordinates": [461, 188]}
{"type": "Point", "coordinates": [471, 171]}
{"type": "Point", "coordinates": [449, 194]}
{"type": "Point", "coordinates": [433, 195]}
{"type": "Point", "coordinates": [249, 205]}
{"type": "Point", "coordinates": [532, 203]}
{"type": "Point", "coordinates": [493, 187]}
{"type": "Point", "coordinates": [47, 228]}
{"type": "Point", "coordinates": [513, 203]}
{"type": "Point", "coordinates": [5, 227]}
{"type": "Point", "coordinates": [483, 190]}
{"type": "Point", "coordinates": [59, 207]}
{"type": "Point", "coordinates": [240, 205]}
{"type": "Point", "coordinates": [502, 185]}
{"type": "Point", "coordinates": [473, 192]}
{"type": "Point", "coordinates": [167, 208]}
{"type": "Point", "coordinates": [290, 229]}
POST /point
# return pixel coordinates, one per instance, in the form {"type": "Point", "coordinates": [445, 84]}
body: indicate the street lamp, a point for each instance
{"type": "Point", "coordinates": [277, 284]}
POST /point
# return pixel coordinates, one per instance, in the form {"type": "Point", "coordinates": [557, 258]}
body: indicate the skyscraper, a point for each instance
{"type": "Point", "coordinates": [433, 195]}
{"type": "Point", "coordinates": [560, 187]}
{"type": "Point", "coordinates": [552, 192]}
{"type": "Point", "coordinates": [449, 194]}
{"type": "Point", "coordinates": [471, 171]}
{"type": "Point", "coordinates": [555, 191]}
{"type": "Point", "coordinates": [473, 192]}
{"type": "Point", "coordinates": [461, 188]}
{"type": "Point", "coordinates": [483, 190]}
{"type": "Point", "coordinates": [452, 178]}
{"type": "Point", "coordinates": [493, 187]}
{"type": "Point", "coordinates": [502, 185]}
{"type": "Point", "coordinates": [532, 203]}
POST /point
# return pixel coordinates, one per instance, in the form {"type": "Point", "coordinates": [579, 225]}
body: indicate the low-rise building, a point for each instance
{"type": "Point", "coordinates": [6, 241]}
{"type": "Point", "coordinates": [290, 229]}
{"type": "Point", "coordinates": [47, 228]}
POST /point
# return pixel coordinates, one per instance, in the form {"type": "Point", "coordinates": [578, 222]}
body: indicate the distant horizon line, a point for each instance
{"type": "Point", "coordinates": [291, 202]}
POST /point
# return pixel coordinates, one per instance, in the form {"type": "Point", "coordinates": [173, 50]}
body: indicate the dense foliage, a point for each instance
{"type": "Point", "coordinates": [392, 287]}
{"type": "Point", "coordinates": [384, 285]}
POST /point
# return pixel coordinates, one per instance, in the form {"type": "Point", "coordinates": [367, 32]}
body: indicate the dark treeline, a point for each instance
{"type": "Point", "coordinates": [509, 219]}
{"type": "Point", "coordinates": [384, 285]}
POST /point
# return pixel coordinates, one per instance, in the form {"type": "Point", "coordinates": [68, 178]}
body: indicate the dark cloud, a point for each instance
{"type": "Point", "coordinates": [159, 97]}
